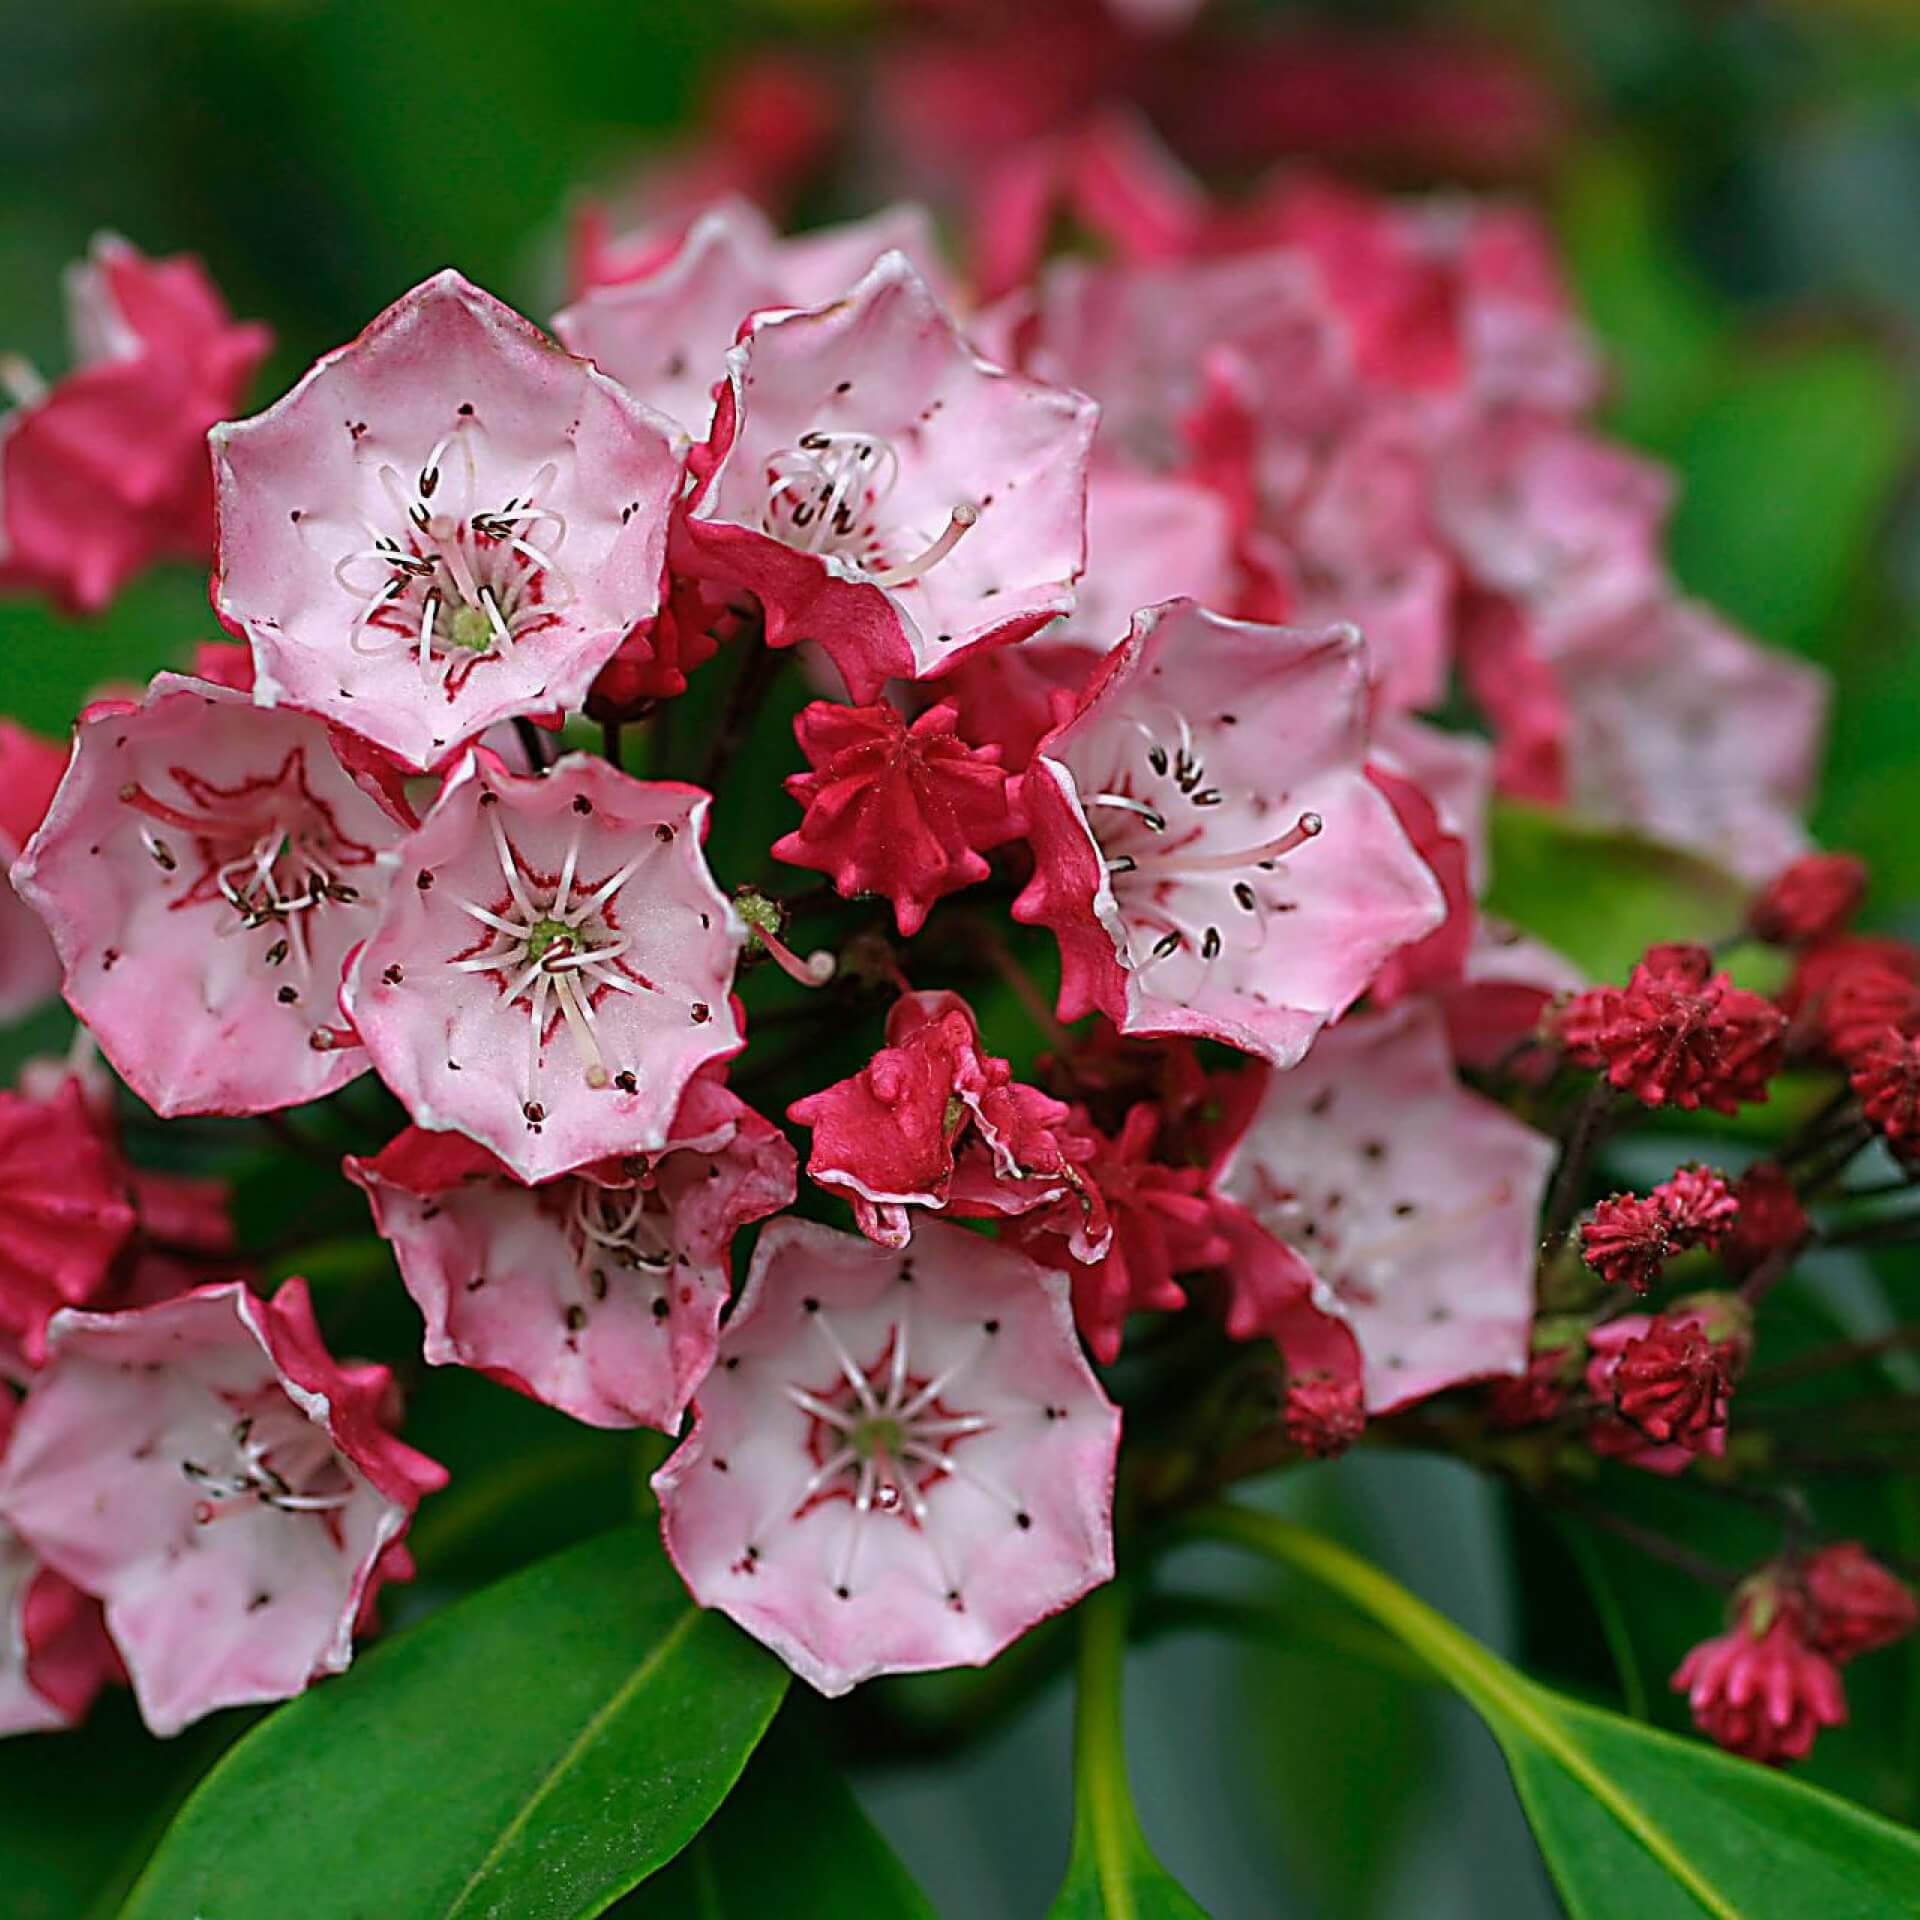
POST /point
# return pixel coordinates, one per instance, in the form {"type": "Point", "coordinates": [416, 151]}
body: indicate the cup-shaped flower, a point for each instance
{"type": "Point", "coordinates": [66, 1212]}
{"type": "Point", "coordinates": [1414, 1201]}
{"type": "Point", "coordinates": [204, 870]}
{"type": "Point", "coordinates": [882, 489]}
{"type": "Point", "coordinates": [663, 333]}
{"type": "Point", "coordinates": [30, 770]}
{"type": "Point", "coordinates": [222, 1484]}
{"type": "Point", "coordinates": [447, 523]}
{"type": "Point", "coordinates": [1207, 847]}
{"type": "Point", "coordinates": [599, 1292]}
{"type": "Point", "coordinates": [902, 1460]}
{"type": "Point", "coordinates": [54, 1651]}
{"type": "Point", "coordinates": [553, 963]}
{"type": "Point", "coordinates": [105, 470]}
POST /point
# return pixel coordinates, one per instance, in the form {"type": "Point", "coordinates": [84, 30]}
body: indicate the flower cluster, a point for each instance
{"type": "Point", "coordinates": [1113, 600]}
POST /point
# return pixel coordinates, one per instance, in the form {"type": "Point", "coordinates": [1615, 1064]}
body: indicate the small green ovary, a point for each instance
{"type": "Point", "coordinates": [545, 935]}
{"type": "Point", "coordinates": [470, 630]}
{"type": "Point", "coordinates": [875, 1439]}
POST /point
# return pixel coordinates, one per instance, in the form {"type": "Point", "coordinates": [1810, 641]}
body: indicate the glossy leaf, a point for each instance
{"type": "Point", "coordinates": [791, 1839]}
{"type": "Point", "coordinates": [1630, 1821]}
{"type": "Point", "coordinates": [534, 1751]}
{"type": "Point", "coordinates": [1111, 1872]}
{"type": "Point", "coordinates": [1601, 895]}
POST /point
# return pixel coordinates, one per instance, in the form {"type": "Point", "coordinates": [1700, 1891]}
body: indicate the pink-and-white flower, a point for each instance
{"type": "Point", "coordinates": [225, 1487]}
{"type": "Point", "coordinates": [902, 1460]}
{"type": "Point", "coordinates": [599, 1292]}
{"type": "Point", "coordinates": [447, 523]}
{"type": "Point", "coordinates": [1415, 1201]}
{"type": "Point", "coordinates": [105, 471]}
{"type": "Point", "coordinates": [663, 332]}
{"type": "Point", "coordinates": [1683, 728]}
{"type": "Point", "coordinates": [54, 1652]}
{"type": "Point", "coordinates": [30, 770]}
{"type": "Point", "coordinates": [204, 870]}
{"type": "Point", "coordinates": [1207, 847]}
{"type": "Point", "coordinates": [553, 963]}
{"type": "Point", "coordinates": [66, 1211]}
{"type": "Point", "coordinates": [883, 490]}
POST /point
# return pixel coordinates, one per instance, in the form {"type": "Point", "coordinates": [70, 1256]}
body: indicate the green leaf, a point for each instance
{"type": "Point", "coordinates": [791, 1839]}
{"type": "Point", "coordinates": [80, 1811]}
{"type": "Point", "coordinates": [1630, 1821]}
{"type": "Point", "coordinates": [1603, 895]}
{"type": "Point", "coordinates": [1785, 475]}
{"type": "Point", "coordinates": [1111, 1873]}
{"type": "Point", "coordinates": [536, 1750]}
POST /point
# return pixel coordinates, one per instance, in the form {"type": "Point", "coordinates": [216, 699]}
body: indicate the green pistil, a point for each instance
{"type": "Point", "coordinates": [470, 629]}
{"type": "Point", "coordinates": [545, 935]}
{"type": "Point", "coordinates": [876, 1439]}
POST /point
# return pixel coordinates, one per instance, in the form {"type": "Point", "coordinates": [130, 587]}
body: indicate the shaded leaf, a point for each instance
{"type": "Point", "coordinates": [1785, 475]}
{"type": "Point", "coordinates": [1630, 1821]}
{"type": "Point", "coordinates": [1603, 895]}
{"type": "Point", "coordinates": [791, 1839]}
{"type": "Point", "coordinates": [533, 1751]}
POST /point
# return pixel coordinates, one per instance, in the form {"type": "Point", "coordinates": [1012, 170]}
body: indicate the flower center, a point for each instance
{"type": "Point", "coordinates": [883, 1439]}
{"type": "Point", "coordinates": [556, 948]}
{"type": "Point", "coordinates": [1161, 825]}
{"type": "Point", "coordinates": [456, 587]}
{"type": "Point", "coordinates": [268, 848]}
{"type": "Point", "coordinates": [826, 493]}
{"type": "Point", "coordinates": [277, 1458]}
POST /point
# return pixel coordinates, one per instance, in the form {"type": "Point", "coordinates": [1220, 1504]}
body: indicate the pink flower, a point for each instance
{"type": "Point", "coordinates": [896, 810]}
{"type": "Point", "coordinates": [599, 1292]}
{"type": "Point", "coordinates": [931, 1121]}
{"type": "Point", "coordinates": [1885, 1072]}
{"type": "Point", "coordinates": [1628, 1240]}
{"type": "Point", "coordinates": [54, 1652]}
{"type": "Point", "coordinates": [204, 870]}
{"type": "Point", "coordinates": [901, 1461]}
{"type": "Point", "coordinates": [1667, 1380]}
{"type": "Point", "coordinates": [1273, 1294]}
{"type": "Point", "coordinates": [447, 523]}
{"type": "Point", "coordinates": [65, 1212]}
{"type": "Point", "coordinates": [30, 770]}
{"type": "Point", "coordinates": [1414, 1201]}
{"type": "Point", "coordinates": [1760, 1689]}
{"type": "Point", "coordinates": [222, 1484]}
{"type": "Point", "coordinates": [1684, 729]}
{"type": "Point", "coordinates": [1812, 898]}
{"type": "Point", "coordinates": [1855, 1604]}
{"type": "Point", "coordinates": [882, 489]}
{"type": "Point", "coordinates": [1567, 527]}
{"type": "Point", "coordinates": [1769, 1219]}
{"type": "Point", "coordinates": [1207, 847]}
{"type": "Point", "coordinates": [1124, 1227]}
{"type": "Point", "coordinates": [1677, 1034]}
{"type": "Point", "coordinates": [106, 471]}
{"type": "Point", "coordinates": [1150, 537]}
{"type": "Point", "coordinates": [553, 963]}
{"type": "Point", "coordinates": [663, 331]}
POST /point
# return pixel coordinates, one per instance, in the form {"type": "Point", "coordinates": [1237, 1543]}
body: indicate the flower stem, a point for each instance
{"type": "Point", "coordinates": [751, 683]}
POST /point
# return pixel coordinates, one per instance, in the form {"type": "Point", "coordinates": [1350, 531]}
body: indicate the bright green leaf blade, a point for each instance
{"type": "Point", "coordinates": [1111, 1873]}
{"type": "Point", "coordinates": [534, 1751]}
{"type": "Point", "coordinates": [1784, 478]}
{"type": "Point", "coordinates": [1772, 1848]}
{"type": "Point", "coordinates": [1601, 895]}
{"type": "Point", "coordinates": [1630, 1821]}
{"type": "Point", "coordinates": [791, 1839]}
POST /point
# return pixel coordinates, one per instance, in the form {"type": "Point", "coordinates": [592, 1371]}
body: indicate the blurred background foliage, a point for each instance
{"type": "Point", "coordinates": [1735, 185]}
